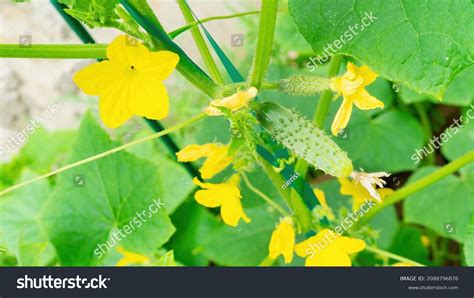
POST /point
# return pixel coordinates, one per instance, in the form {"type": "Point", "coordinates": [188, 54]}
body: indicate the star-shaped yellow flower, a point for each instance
{"type": "Point", "coordinates": [351, 86]}
{"type": "Point", "coordinates": [234, 102]}
{"type": "Point", "coordinates": [283, 240]}
{"type": "Point", "coordinates": [327, 248]}
{"type": "Point", "coordinates": [130, 258]}
{"type": "Point", "coordinates": [130, 82]}
{"type": "Point", "coordinates": [224, 195]}
{"type": "Point", "coordinates": [359, 193]}
{"type": "Point", "coordinates": [217, 159]}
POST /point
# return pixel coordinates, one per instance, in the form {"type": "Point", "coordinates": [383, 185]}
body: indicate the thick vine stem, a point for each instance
{"type": "Point", "coordinates": [411, 188]}
{"type": "Point", "coordinates": [263, 51]}
{"type": "Point", "coordinates": [54, 51]}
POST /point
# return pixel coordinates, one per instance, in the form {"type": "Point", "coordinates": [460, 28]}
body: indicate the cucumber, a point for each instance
{"type": "Point", "coordinates": [304, 139]}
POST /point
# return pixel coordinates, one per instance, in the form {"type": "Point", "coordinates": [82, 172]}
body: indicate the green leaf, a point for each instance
{"type": "Point", "coordinates": [383, 143]}
{"type": "Point", "coordinates": [54, 149]}
{"type": "Point", "coordinates": [460, 140]}
{"type": "Point", "coordinates": [407, 243]}
{"type": "Point", "coordinates": [246, 245]}
{"type": "Point", "coordinates": [20, 229]}
{"type": "Point", "coordinates": [168, 172]}
{"type": "Point", "coordinates": [459, 93]}
{"type": "Point", "coordinates": [95, 13]}
{"type": "Point", "coordinates": [469, 244]}
{"type": "Point", "coordinates": [111, 194]}
{"type": "Point", "coordinates": [418, 43]}
{"type": "Point", "coordinates": [445, 206]}
{"type": "Point", "coordinates": [193, 223]}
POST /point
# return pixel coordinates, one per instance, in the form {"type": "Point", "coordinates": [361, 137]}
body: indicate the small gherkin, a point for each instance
{"type": "Point", "coordinates": [304, 139]}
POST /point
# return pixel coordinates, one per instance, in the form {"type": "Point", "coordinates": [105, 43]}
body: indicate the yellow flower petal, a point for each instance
{"type": "Point", "coordinates": [210, 197]}
{"type": "Point", "coordinates": [364, 101]}
{"type": "Point", "coordinates": [283, 240]}
{"type": "Point", "coordinates": [194, 152]}
{"type": "Point", "coordinates": [216, 162]}
{"type": "Point", "coordinates": [96, 78]}
{"type": "Point", "coordinates": [343, 116]}
{"type": "Point", "coordinates": [130, 82]}
{"type": "Point", "coordinates": [328, 249]}
{"type": "Point", "coordinates": [113, 106]}
{"type": "Point", "coordinates": [321, 197]}
{"type": "Point", "coordinates": [227, 196]}
{"type": "Point", "coordinates": [234, 102]}
{"type": "Point", "coordinates": [130, 258]}
{"type": "Point", "coordinates": [217, 159]}
{"type": "Point", "coordinates": [403, 264]}
{"type": "Point", "coordinates": [359, 193]}
{"type": "Point", "coordinates": [151, 98]}
{"type": "Point", "coordinates": [351, 86]}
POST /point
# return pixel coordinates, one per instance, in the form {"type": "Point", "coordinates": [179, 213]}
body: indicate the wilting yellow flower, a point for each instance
{"type": "Point", "coordinates": [322, 200]}
{"type": "Point", "coordinates": [403, 264]}
{"type": "Point", "coordinates": [216, 154]}
{"type": "Point", "coordinates": [130, 82]}
{"type": "Point", "coordinates": [283, 240]}
{"type": "Point", "coordinates": [234, 102]}
{"type": "Point", "coordinates": [351, 86]}
{"type": "Point", "coordinates": [130, 258]}
{"type": "Point", "coordinates": [224, 195]}
{"type": "Point", "coordinates": [359, 193]}
{"type": "Point", "coordinates": [327, 248]}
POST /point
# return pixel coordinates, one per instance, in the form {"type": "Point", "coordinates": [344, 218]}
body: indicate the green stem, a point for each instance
{"type": "Point", "coordinates": [264, 197]}
{"type": "Point", "coordinates": [54, 51]}
{"type": "Point", "coordinates": [109, 152]}
{"type": "Point", "coordinates": [175, 33]}
{"type": "Point", "coordinates": [425, 123]}
{"type": "Point", "coordinates": [302, 213]}
{"type": "Point", "coordinates": [321, 111]}
{"type": "Point", "coordinates": [201, 44]}
{"type": "Point", "coordinates": [405, 191]}
{"type": "Point", "coordinates": [392, 255]}
{"type": "Point", "coordinates": [264, 42]}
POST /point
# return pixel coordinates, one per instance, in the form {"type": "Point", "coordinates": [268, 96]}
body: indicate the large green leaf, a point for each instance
{"type": "Point", "coordinates": [193, 223]}
{"type": "Point", "coordinates": [469, 244]}
{"type": "Point", "coordinates": [246, 245]}
{"type": "Point", "coordinates": [459, 93]}
{"type": "Point", "coordinates": [20, 229]}
{"type": "Point", "coordinates": [460, 141]}
{"type": "Point", "coordinates": [99, 197]}
{"type": "Point", "coordinates": [408, 243]}
{"type": "Point", "coordinates": [383, 143]}
{"type": "Point", "coordinates": [423, 44]}
{"type": "Point", "coordinates": [445, 206]}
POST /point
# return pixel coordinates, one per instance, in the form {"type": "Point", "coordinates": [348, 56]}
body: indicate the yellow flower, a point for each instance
{"type": "Point", "coordinates": [403, 264]}
{"type": "Point", "coordinates": [130, 82]}
{"type": "Point", "coordinates": [224, 195]}
{"type": "Point", "coordinates": [130, 258]}
{"type": "Point", "coordinates": [322, 200]}
{"type": "Point", "coordinates": [328, 249]}
{"type": "Point", "coordinates": [359, 193]}
{"type": "Point", "coordinates": [283, 240]}
{"type": "Point", "coordinates": [234, 102]}
{"type": "Point", "coordinates": [351, 86]}
{"type": "Point", "coordinates": [217, 159]}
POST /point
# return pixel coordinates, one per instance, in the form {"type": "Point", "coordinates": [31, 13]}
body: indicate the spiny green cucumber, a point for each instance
{"type": "Point", "coordinates": [304, 139]}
